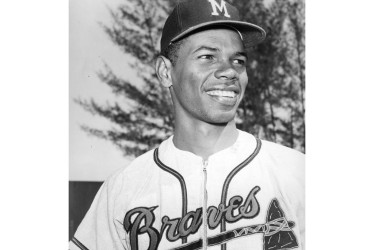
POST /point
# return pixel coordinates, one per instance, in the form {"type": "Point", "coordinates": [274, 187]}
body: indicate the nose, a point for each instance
{"type": "Point", "coordinates": [226, 71]}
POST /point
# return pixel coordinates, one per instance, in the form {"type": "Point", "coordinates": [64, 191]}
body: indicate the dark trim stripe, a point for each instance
{"type": "Point", "coordinates": [231, 176]}
{"type": "Point", "coordinates": [79, 244]}
{"type": "Point", "coordinates": [181, 182]}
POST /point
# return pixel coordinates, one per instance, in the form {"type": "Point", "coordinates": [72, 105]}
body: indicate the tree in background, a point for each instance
{"type": "Point", "coordinates": [273, 105]}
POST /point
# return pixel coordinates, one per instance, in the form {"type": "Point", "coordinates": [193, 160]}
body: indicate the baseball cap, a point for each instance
{"type": "Point", "coordinates": [193, 15]}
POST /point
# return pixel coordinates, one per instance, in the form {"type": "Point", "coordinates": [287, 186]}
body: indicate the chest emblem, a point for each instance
{"type": "Point", "coordinates": [277, 230]}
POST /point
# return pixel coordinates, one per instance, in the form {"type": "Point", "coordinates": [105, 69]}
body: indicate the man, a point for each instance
{"type": "Point", "coordinates": [210, 186]}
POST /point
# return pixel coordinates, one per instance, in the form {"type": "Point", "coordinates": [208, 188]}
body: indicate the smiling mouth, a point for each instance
{"type": "Point", "coordinates": [222, 93]}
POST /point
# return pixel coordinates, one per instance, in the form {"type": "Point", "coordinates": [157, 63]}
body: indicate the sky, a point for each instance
{"type": "Point", "coordinates": [91, 158]}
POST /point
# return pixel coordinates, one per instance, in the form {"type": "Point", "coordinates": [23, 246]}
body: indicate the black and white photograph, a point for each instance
{"type": "Point", "coordinates": [187, 126]}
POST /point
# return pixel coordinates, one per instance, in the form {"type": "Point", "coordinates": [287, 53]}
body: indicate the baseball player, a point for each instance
{"type": "Point", "coordinates": [210, 185]}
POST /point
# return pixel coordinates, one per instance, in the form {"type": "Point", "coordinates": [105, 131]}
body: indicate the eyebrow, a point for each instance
{"type": "Point", "coordinates": [213, 49]}
{"type": "Point", "coordinates": [205, 48]}
{"type": "Point", "coordinates": [242, 53]}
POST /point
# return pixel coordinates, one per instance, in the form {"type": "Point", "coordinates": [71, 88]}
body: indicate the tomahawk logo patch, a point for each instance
{"type": "Point", "coordinates": [278, 233]}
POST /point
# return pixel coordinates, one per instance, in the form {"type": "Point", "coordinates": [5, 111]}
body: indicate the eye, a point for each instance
{"type": "Point", "coordinates": [240, 61]}
{"type": "Point", "coordinates": [206, 57]}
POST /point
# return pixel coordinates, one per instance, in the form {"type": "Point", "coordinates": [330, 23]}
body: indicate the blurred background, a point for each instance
{"type": "Point", "coordinates": [118, 110]}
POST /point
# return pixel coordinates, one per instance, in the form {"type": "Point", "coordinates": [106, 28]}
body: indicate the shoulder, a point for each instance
{"type": "Point", "coordinates": [125, 181]}
{"type": "Point", "coordinates": [136, 166]}
{"type": "Point", "coordinates": [282, 160]}
{"type": "Point", "coordinates": [278, 150]}
{"type": "Point", "coordinates": [139, 168]}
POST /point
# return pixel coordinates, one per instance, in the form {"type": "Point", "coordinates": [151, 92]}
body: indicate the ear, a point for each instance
{"type": "Point", "coordinates": [163, 71]}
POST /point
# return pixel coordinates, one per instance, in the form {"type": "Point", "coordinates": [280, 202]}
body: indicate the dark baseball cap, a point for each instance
{"type": "Point", "coordinates": [194, 15]}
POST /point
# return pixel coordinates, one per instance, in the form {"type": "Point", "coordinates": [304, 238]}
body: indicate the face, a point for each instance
{"type": "Point", "coordinates": [209, 77]}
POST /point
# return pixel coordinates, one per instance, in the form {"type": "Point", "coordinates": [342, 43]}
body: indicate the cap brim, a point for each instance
{"type": "Point", "coordinates": [252, 34]}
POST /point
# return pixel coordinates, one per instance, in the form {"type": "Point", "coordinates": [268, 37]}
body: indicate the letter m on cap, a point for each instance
{"type": "Point", "coordinates": [221, 7]}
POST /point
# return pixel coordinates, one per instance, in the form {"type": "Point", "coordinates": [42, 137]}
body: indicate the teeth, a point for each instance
{"type": "Point", "coordinates": [222, 93]}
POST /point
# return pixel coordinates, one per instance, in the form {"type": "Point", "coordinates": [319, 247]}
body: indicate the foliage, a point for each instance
{"type": "Point", "coordinates": [273, 106]}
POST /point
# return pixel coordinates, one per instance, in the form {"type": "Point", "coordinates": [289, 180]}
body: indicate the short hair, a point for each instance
{"type": "Point", "coordinates": [172, 51]}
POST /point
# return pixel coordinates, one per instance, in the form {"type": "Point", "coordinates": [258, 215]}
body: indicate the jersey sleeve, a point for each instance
{"type": "Point", "coordinates": [98, 229]}
{"type": "Point", "coordinates": [297, 175]}
{"type": "Point", "coordinates": [294, 186]}
{"type": "Point", "coordinates": [288, 174]}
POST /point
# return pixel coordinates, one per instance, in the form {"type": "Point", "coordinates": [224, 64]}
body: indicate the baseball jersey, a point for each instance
{"type": "Point", "coordinates": [247, 196]}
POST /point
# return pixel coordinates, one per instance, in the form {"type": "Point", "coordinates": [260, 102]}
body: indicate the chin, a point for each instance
{"type": "Point", "coordinates": [221, 118]}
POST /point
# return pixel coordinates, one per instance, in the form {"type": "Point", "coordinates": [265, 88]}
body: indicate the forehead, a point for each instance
{"type": "Point", "coordinates": [222, 39]}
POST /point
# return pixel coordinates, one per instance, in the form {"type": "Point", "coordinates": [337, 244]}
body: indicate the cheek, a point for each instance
{"type": "Point", "coordinates": [185, 87]}
{"type": "Point", "coordinates": [191, 83]}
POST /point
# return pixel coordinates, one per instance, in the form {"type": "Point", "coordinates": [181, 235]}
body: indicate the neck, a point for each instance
{"type": "Point", "coordinates": [204, 139]}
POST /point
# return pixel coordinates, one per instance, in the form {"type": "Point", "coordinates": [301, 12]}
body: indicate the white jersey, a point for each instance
{"type": "Point", "coordinates": [247, 196]}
